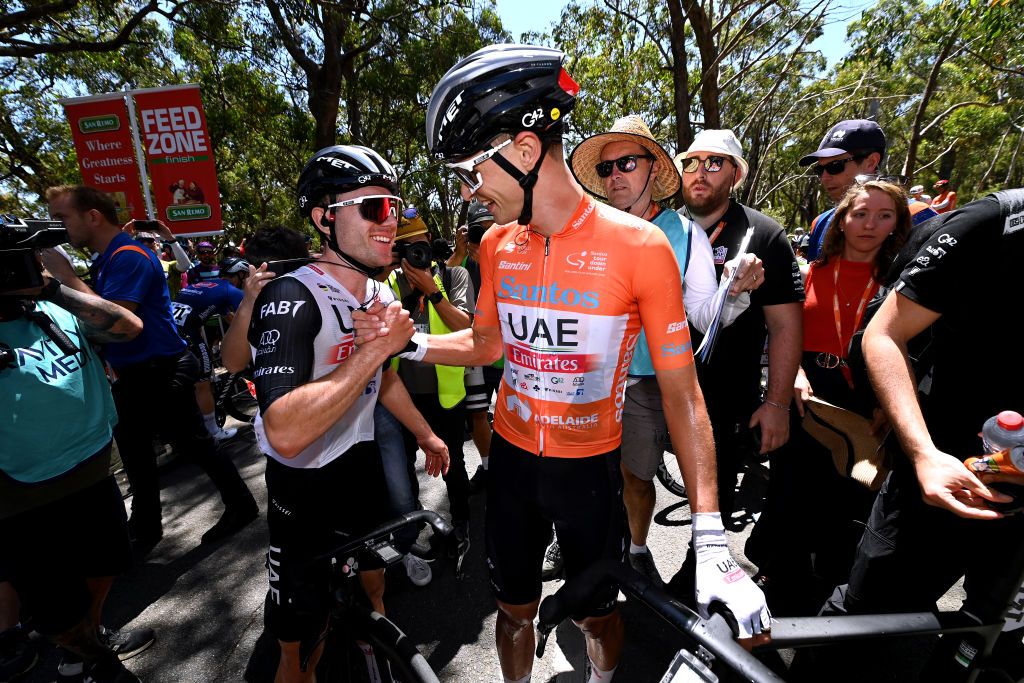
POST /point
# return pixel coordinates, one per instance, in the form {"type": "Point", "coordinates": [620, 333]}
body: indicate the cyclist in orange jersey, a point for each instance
{"type": "Point", "coordinates": [565, 284]}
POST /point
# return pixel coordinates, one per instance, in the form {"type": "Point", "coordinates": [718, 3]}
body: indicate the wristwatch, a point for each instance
{"type": "Point", "coordinates": [435, 298]}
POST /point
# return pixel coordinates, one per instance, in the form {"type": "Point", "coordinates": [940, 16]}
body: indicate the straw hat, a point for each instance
{"type": "Point", "coordinates": [630, 128]}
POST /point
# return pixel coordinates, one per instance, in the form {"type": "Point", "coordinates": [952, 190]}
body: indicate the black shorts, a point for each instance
{"type": "Point", "coordinates": [50, 551]}
{"type": "Point", "coordinates": [481, 383]}
{"type": "Point", "coordinates": [526, 495]}
{"type": "Point", "coordinates": [201, 351]}
{"type": "Point", "coordinates": [310, 512]}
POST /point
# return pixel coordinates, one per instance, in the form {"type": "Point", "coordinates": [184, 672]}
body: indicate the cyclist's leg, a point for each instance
{"type": "Point", "coordinates": [373, 584]}
{"type": "Point", "coordinates": [191, 439]}
{"type": "Point", "coordinates": [299, 597]}
{"type": "Point", "coordinates": [516, 535]}
{"type": "Point", "coordinates": [584, 497]}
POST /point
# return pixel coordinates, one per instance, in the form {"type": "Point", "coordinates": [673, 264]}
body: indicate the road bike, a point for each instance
{"type": "Point", "coordinates": [353, 621]}
{"type": "Point", "coordinates": [709, 647]}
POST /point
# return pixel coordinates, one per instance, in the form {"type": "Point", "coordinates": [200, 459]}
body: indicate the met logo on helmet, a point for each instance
{"type": "Point", "coordinates": [449, 115]}
{"type": "Point", "coordinates": [336, 162]}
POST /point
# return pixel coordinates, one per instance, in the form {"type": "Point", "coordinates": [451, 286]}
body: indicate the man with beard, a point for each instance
{"type": "Point", "coordinates": [712, 168]}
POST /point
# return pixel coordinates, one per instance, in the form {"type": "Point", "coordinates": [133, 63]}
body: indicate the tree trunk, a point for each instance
{"type": "Point", "coordinates": [680, 75]}
{"type": "Point", "coordinates": [1013, 161]}
{"type": "Point", "coordinates": [929, 89]}
{"type": "Point", "coordinates": [992, 165]}
{"type": "Point", "coordinates": [703, 33]}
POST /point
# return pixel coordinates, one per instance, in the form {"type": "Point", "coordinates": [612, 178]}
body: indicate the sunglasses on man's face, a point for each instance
{"type": "Point", "coordinates": [834, 167]}
{"type": "Point", "coordinates": [626, 164]}
{"type": "Point", "coordinates": [711, 164]}
{"type": "Point", "coordinates": [466, 172]}
{"type": "Point", "coordinates": [376, 208]}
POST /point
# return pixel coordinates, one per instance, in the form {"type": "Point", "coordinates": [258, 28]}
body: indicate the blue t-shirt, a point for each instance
{"type": "Point", "coordinates": [677, 229]}
{"type": "Point", "coordinates": [198, 302]}
{"type": "Point", "coordinates": [135, 275]}
{"type": "Point", "coordinates": [57, 410]}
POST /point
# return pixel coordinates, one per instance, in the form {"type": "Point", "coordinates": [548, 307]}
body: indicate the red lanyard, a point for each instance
{"type": "Point", "coordinates": [860, 308]}
{"type": "Point", "coordinates": [716, 232]}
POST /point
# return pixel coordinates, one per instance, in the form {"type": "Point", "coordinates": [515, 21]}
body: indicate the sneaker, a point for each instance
{"type": "Point", "coordinates": [109, 669]}
{"type": "Point", "coordinates": [17, 655]}
{"type": "Point", "coordinates": [478, 482]}
{"type": "Point", "coordinates": [644, 564]}
{"type": "Point", "coordinates": [418, 570]}
{"type": "Point", "coordinates": [553, 565]}
{"type": "Point", "coordinates": [127, 643]}
{"type": "Point", "coordinates": [234, 518]}
{"type": "Point", "coordinates": [224, 434]}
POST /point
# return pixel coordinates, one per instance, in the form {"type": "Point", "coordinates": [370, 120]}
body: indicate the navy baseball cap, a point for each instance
{"type": "Point", "coordinates": [854, 135]}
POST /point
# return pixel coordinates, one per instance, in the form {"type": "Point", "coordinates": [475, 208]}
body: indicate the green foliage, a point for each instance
{"type": "Point", "coordinates": [264, 97]}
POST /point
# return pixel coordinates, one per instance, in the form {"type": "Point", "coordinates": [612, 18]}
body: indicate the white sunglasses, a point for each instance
{"type": "Point", "coordinates": [465, 171]}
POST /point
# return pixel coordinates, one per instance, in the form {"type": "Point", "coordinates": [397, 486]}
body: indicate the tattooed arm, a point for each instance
{"type": "Point", "coordinates": [102, 321]}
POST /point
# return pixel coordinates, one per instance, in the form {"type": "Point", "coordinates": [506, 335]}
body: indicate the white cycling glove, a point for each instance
{"type": "Point", "coordinates": [720, 578]}
{"type": "Point", "coordinates": [416, 348]}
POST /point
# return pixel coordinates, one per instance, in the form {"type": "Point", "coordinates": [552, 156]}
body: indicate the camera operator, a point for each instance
{"type": "Point", "coordinates": [439, 300]}
{"type": "Point", "coordinates": [61, 515]}
{"type": "Point", "coordinates": [155, 372]}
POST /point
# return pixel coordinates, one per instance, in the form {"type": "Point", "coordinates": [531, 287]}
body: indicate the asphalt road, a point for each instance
{"type": "Point", "coordinates": [206, 602]}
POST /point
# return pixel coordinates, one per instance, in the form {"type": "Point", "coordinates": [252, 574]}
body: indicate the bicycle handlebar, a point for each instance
{"type": "Point", "coordinates": [713, 634]}
{"type": "Point", "coordinates": [435, 520]}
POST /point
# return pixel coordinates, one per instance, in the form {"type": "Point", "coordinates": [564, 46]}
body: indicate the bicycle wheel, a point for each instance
{"type": "Point", "coordinates": [239, 401]}
{"type": "Point", "coordinates": [669, 475]}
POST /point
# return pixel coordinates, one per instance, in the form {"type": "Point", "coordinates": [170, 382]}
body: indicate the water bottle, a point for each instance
{"type": "Point", "coordinates": [1003, 439]}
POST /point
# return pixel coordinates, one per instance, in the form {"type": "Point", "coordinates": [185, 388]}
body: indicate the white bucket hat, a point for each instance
{"type": "Point", "coordinates": [717, 141]}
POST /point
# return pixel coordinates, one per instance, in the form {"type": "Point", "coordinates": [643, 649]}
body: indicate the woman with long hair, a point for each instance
{"type": "Point", "coordinates": [806, 536]}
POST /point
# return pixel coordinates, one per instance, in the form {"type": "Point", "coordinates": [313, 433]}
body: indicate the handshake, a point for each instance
{"type": "Point", "coordinates": [390, 328]}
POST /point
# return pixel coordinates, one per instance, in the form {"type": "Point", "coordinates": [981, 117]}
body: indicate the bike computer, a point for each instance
{"type": "Point", "coordinates": [687, 667]}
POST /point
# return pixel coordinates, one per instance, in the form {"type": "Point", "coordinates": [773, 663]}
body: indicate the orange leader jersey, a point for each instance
{"type": "Point", "coordinates": [570, 309]}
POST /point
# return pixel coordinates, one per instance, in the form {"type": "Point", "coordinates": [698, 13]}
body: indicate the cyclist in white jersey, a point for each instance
{"type": "Point", "coordinates": [317, 392]}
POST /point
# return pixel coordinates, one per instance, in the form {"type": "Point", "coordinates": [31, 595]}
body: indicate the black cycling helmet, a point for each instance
{"type": "Point", "coordinates": [342, 168]}
{"type": "Point", "coordinates": [498, 89]}
{"type": "Point", "coordinates": [337, 169]}
{"type": "Point", "coordinates": [233, 265]}
{"type": "Point", "coordinates": [501, 89]}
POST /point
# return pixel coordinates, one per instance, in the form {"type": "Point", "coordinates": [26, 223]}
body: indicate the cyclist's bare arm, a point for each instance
{"type": "Point", "coordinates": [945, 482]}
{"type": "Point", "coordinates": [687, 419]}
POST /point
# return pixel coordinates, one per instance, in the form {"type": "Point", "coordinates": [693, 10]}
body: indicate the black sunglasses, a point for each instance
{"type": "Point", "coordinates": [836, 167]}
{"type": "Point", "coordinates": [626, 164]}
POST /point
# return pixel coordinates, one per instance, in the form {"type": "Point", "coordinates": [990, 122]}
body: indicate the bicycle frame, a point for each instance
{"type": "Point", "coordinates": [715, 637]}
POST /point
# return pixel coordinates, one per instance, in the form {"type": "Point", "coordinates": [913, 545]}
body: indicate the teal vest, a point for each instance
{"type": "Point", "coordinates": [678, 230]}
{"type": "Point", "coordinates": [56, 409]}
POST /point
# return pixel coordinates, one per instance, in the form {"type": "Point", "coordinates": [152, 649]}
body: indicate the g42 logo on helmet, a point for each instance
{"type": "Point", "coordinates": [531, 118]}
{"type": "Point", "coordinates": [302, 201]}
{"type": "Point", "coordinates": [364, 179]}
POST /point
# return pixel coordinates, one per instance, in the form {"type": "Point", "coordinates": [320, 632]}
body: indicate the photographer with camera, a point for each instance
{"type": "Point", "coordinates": [439, 300]}
{"type": "Point", "coordinates": [61, 515]}
{"type": "Point", "coordinates": [155, 372]}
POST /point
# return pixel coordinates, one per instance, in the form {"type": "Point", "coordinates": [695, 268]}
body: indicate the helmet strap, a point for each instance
{"type": "Point", "coordinates": [526, 180]}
